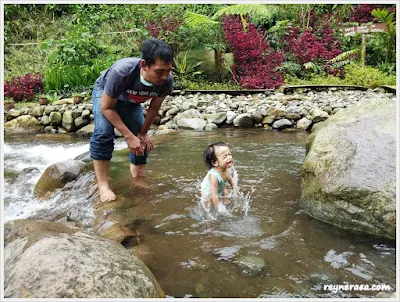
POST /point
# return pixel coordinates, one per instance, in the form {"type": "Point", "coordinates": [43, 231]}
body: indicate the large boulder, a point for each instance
{"type": "Point", "coordinates": [349, 174]}
{"type": "Point", "coordinates": [57, 175]}
{"type": "Point", "coordinates": [23, 124]}
{"type": "Point", "coordinates": [53, 260]}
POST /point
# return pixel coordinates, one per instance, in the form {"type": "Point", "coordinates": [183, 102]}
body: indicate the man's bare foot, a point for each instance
{"type": "Point", "coordinates": [140, 182]}
{"type": "Point", "coordinates": [106, 194]}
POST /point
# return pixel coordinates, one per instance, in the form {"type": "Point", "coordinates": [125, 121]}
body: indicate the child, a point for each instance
{"type": "Point", "coordinates": [218, 159]}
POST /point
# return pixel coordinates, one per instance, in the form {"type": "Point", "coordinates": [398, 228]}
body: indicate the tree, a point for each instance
{"type": "Point", "coordinates": [384, 16]}
{"type": "Point", "coordinates": [211, 31]}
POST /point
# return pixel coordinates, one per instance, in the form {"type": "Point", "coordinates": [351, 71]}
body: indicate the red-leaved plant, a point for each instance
{"type": "Point", "coordinates": [255, 63]}
{"type": "Point", "coordinates": [362, 13]}
{"type": "Point", "coordinates": [24, 87]}
{"type": "Point", "coordinates": [316, 44]}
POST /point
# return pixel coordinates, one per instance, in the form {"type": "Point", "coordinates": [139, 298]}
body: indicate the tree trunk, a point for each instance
{"type": "Point", "coordinates": [218, 63]}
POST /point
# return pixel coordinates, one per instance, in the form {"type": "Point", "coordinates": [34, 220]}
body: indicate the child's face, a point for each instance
{"type": "Point", "coordinates": [224, 157]}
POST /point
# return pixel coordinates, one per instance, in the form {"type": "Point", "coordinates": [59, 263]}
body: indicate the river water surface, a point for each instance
{"type": "Point", "coordinates": [195, 256]}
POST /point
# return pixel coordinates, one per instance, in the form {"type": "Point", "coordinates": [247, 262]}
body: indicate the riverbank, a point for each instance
{"type": "Point", "coordinates": [299, 110]}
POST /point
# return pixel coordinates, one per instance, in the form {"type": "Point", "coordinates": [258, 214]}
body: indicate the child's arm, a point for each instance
{"type": "Point", "coordinates": [232, 183]}
{"type": "Point", "coordinates": [214, 191]}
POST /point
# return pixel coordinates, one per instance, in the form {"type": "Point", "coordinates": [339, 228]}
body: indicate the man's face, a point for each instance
{"type": "Point", "coordinates": [156, 73]}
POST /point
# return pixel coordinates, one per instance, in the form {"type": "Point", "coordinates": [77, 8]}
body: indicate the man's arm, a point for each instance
{"type": "Point", "coordinates": [150, 116]}
{"type": "Point", "coordinates": [107, 108]}
{"type": "Point", "coordinates": [152, 112]}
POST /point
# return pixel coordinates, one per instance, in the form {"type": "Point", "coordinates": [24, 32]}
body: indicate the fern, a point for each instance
{"type": "Point", "coordinates": [260, 11]}
{"type": "Point", "coordinates": [196, 21]}
{"type": "Point", "coordinates": [344, 56]}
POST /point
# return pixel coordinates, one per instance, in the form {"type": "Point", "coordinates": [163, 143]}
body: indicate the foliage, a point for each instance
{"type": "Point", "coordinates": [362, 13]}
{"type": "Point", "coordinates": [59, 76]}
{"type": "Point", "coordinates": [24, 87]}
{"type": "Point", "coordinates": [202, 84]}
{"type": "Point", "coordinates": [79, 48]}
{"type": "Point", "coordinates": [354, 75]}
{"type": "Point", "coordinates": [255, 64]}
{"type": "Point", "coordinates": [53, 97]}
{"type": "Point", "coordinates": [387, 17]}
{"type": "Point", "coordinates": [108, 32]}
{"type": "Point", "coordinates": [312, 48]}
{"type": "Point", "coordinates": [183, 69]}
{"type": "Point", "coordinates": [258, 14]}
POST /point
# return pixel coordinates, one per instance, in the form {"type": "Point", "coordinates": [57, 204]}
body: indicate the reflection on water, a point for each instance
{"type": "Point", "coordinates": [266, 246]}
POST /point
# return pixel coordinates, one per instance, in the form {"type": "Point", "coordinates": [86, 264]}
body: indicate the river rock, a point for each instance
{"type": "Point", "coordinates": [55, 118]}
{"type": "Point", "coordinates": [216, 118]}
{"type": "Point", "coordinates": [197, 124]}
{"type": "Point", "coordinates": [250, 265]}
{"type": "Point", "coordinates": [68, 121]}
{"type": "Point", "coordinates": [37, 111]}
{"type": "Point", "coordinates": [85, 131]}
{"type": "Point", "coordinates": [12, 114]}
{"type": "Point", "coordinates": [57, 175]}
{"type": "Point", "coordinates": [349, 174]}
{"type": "Point", "coordinates": [243, 120]}
{"type": "Point", "coordinates": [303, 124]}
{"type": "Point", "coordinates": [52, 260]}
{"type": "Point", "coordinates": [188, 114]}
{"type": "Point", "coordinates": [23, 124]}
{"type": "Point", "coordinates": [282, 124]}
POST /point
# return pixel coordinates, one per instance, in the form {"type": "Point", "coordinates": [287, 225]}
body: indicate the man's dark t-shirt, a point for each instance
{"type": "Point", "coordinates": [122, 81]}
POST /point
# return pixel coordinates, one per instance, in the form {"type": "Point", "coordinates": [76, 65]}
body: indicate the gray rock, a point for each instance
{"type": "Point", "coordinates": [303, 124]}
{"type": "Point", "coordinates": [197, 124]}
{"type": "Point", "coordinates": [23, 124]}
{"type": "Point", "coordinates": [12, 114]}
{"type": "Point", "coordinates": [349, 174]}
{"type": "Point", "coordinates": [243, 121]}
{"type": "Point", "coordinates": [85, 131]}
{"type": "Point", "coordinates": [80, 122]}
{"type": "Point", "coordinates": [55, 118]}
{"type": "Point", "coordinates": [53, 260]}
{"type": "Point", "coordinates": [257, 117]}
{"type": "Point", "coordinates": [56, 176]}
{"type": "Point", "coordinates": [68, 121]}
{"type": "Point", "coordinates": [216, 118]}
{"type": "Point", "coordinates": [282, 124]}
{"type": "Point", "coordinates": [45, 121]}
{"type": "Point", "coordinates": [37, 111]}
{"type": "Point", "coordinates": [210, 127]}
{"type": "Point", "coordinates": [318, 115]}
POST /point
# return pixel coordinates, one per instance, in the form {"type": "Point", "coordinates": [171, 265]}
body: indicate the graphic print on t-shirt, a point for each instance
{"type": "Point", "coordinates": [140, 96]}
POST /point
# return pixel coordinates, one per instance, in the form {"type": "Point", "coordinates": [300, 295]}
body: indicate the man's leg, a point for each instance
{"type": "Point", "coordinates": [138, 170]}
{"type": "Point", "coordinates": [101, 170]}
{"type": "Point", "coordinates": [101, 147]}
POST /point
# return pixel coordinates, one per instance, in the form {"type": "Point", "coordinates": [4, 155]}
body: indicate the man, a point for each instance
{"type": "Point", "coordinates": [117, 95]}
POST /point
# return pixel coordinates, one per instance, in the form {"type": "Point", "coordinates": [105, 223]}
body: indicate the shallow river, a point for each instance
{"type": "Point", "coordinates": [195, 256]}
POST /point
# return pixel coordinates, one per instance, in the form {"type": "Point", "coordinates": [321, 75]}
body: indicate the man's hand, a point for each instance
{"type": "Point", "coordinates": [135, 145]}
{"type": "Point", "coordinates": [145, 139]}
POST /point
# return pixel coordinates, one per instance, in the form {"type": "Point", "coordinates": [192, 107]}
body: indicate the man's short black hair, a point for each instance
{"type": "Point", "coordinates": [156, 48]}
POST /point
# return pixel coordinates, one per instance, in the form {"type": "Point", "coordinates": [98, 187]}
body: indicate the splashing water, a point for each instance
{"type": "Point", "coordinates": [239, 202]}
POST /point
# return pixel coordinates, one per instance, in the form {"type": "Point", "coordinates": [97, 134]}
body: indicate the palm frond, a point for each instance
{"type": "Point", "coordinates": [257, 10]}
{"type": "Point", "coordinates": [195, 21]}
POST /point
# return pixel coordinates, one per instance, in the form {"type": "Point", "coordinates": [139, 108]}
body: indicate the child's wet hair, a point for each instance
{"type": "Point", "coordinates": [209, 155]}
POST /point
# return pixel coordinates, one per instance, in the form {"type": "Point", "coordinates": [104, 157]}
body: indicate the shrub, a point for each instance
{"type": "Point", "coordinates": [255, 63]}
{"type": "Point", "coordinates": [318, 47]}
{"type": "Point", "coordinates": [362, 13]}
{"type": "Point", "coordinates": [206, 85]}
{"type": "Point", "coordinates": [355, 75]}
{"type": "Point", "coordinates": [24, 87]}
